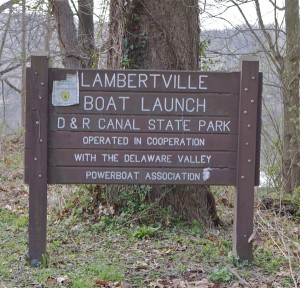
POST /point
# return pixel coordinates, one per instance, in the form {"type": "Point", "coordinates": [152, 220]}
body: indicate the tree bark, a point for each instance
{"type": "Point", "coordinates": [290, 79]}
{"type": "Point", "coordinates": [162, 35]}
{"type": "Point", "coordinates": [116, 34]}
{"type": "Point", "coordinates": [88, 50]}
{"type": "Point", "coordinates": [23, 57]}
{"type": "Point", "coordinates": [67, 35]}
{"type": "Point", "coordinates": [77, 47]}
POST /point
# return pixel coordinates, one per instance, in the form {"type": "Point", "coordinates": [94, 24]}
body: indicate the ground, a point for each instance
{"type": "Point", "coordinates": [101, 247]}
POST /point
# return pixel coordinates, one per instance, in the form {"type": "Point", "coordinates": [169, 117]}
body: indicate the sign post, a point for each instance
{"type": "Point", "coordinates": [36, 143]}
{"type": "Point", "coordinates": [249, 126]}
{"type": "Point", "coordinates": [142, 127]}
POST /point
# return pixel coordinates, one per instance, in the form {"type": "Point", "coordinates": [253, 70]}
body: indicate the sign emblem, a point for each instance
{"type": "Point", "coordinates": [65, 96]}
{"type": "Point", "coordinates": [66, 92]}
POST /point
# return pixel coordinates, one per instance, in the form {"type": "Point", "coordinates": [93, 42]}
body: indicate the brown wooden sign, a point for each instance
{"type": "Point", "coordinates": [148, 111]}
{"type": "Point", "coordinates": [142, 127]}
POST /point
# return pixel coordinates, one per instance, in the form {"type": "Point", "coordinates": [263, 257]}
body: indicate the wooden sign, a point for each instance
{"type": "Point", "coordinates": [142, 127]}
{"type": "Point", "coordinates": [150, 112]}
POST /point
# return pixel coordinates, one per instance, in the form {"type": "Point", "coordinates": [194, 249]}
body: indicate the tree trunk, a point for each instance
{"type": "Point", "coordinates": [67, 35]}
{"type": "Point", "coordinates": [77, 47]}
{"type": "Point", "coordinates": [162, 35]}
{"type": "Point", "coordinates": [88, 50]}
{"type": "Point", "coordinates": [116, 34]}
{"type": "Point", "coordinates": [290, 79]}
{"type": "Point", "coordinates": [23, 57]}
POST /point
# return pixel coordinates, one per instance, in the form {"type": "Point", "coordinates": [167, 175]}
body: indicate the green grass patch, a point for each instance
{"type": "Point", "coordinates": [87, 274]}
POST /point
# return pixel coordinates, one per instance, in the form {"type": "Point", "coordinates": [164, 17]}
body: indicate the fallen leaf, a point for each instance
{"type": "Point", "coordinates": [181, 247]}
{"type": "Point", "coordinates": [64, 279]}
{"type": "Point", "coordinates": [51, 282]}
{"type": "Point", "coordinates": [256, 239]}
{"type": "Point", "coordinates": [156, 285]}
{"type": "Point", "coordinates": [178, 283]}
{"type": "Point", "coordinates": [106, 209]}
{"type": "Point", "coordinates": [8, 207]}
{"type": "Point", "coordinates": [141, 265]}
{"type": "Point", "coordinates": [204, 283]}
{"type": "Point", "coordinates": [101, 283]}
{"type": "Point", "coordinates": [236, 285]}
{"type": "Point", "coordinates": [283, 273]}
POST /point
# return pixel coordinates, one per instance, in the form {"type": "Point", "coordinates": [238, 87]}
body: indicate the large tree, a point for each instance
{"type": "Point", "coordinates": [164, 35]}
{"type": "Point", "coordinates": [151, 34]}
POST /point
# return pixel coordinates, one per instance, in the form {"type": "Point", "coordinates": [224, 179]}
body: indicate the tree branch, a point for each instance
{"type": "Point", "coordinates": [270, 50]}
{"type": "Point", "coordinates": [12, 86]}
{"type": "Point", "coordinates": [5, 31]}
{"type": "Point", "coordinates": [7, 5]}
{"type": "Point", "coordinates": [275, 56]}
{"type": "Point", "coordinates": [8, 69]}
{"type": "Point", "coordinates": [277, 7]}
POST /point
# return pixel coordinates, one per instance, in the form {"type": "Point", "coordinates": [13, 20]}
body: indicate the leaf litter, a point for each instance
{"type": "Point", "coordinates": [176, 256]}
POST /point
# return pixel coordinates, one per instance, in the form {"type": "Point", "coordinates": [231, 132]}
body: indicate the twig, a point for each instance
{"type": "Point", "coordinates": [242, 281]}
{"type": "Point", "coordinates": [278, 245]}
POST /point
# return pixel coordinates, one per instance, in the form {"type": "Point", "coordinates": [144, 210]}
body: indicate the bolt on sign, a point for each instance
{"type": "Point", "coordinates": [142, 127]}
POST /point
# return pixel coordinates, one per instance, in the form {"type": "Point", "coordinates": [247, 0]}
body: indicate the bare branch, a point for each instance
{"type": "Point", "coordinates": [12, 86]}
{"type": "Point", "coordinates": [274, 55]}
{"type": "Point", "coordinates": [11, 68]}
{"type": "Point", "coordinates": [7, 5]}
{"type": "Point", "coordinates": [277, 7]}
{"type": "Point", "coordinates": [5, 31]}
{"type": "Point", "coordinates": [270, 50]}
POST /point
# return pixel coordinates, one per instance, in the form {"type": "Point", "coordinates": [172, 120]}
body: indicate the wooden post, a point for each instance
{"type": "Point", "coordinates": [246, 157]}
{"type": "Point", "coordinates": [36, 159]}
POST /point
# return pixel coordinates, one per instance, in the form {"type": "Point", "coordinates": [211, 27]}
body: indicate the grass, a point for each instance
{"type": "Point", "coordinates": [88, 250]}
